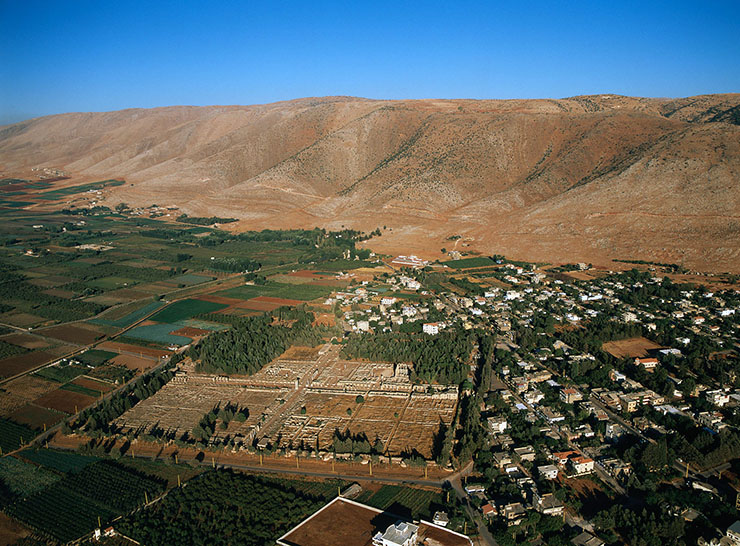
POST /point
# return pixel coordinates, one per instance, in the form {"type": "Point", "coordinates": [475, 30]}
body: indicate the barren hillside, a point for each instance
{"type": "Point", "coordinates": [578, 179]}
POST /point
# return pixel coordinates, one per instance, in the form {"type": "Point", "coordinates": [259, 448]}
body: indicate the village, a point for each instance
{"type": "Point", "coordinates": [576, 410]}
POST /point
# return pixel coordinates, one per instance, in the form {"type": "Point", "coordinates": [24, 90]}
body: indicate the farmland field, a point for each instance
{"type": "Point", "coordinates": [466, 263]}
{"type": "Point", "coordinates": [133, 362]}
{"type": "Point", "coordinates": [65, 400]}
{"type": "Point", "coordinates": [186, 309]}
{"type": "Point", "coordinates": [61, 461]}
{"type": "Point", "coordinates": [158, 333]}
{"type": "Point", "coordinates": [11, 435]}
{"type": "Point", "coordinates": [21, 363]}
{"type": "Point", "coordinates": [301, 292]}
{"type": "Point", "coordinates": [24, 479]}
{"type": "Point", "coordinates": [124, 321]}
{"type": "Point", "coordinates": [36, 417]}
{"type": "Point", "coordinates": [93, 384]}
{"type": "Point", "coordinates": [417, 502]}
{"type": "Point", "coordinates": [72, 334]}
{"type": "Point", "coordinates": [134, 349]}
{"type": "Point", "coordinates": [26, 340]}
{"type": "Point", "coordinates": [59, 373]}
{"type": "Point", "coordinates": [9, 349]}
{"type": "Point", "coordinates": [190, 279]}
{"type": "Point", "coordinates": [95, 357]}
{"type": "Point", "coordinates": [19, 392]}
{"type": "Point", "coordinates": [72, 190]}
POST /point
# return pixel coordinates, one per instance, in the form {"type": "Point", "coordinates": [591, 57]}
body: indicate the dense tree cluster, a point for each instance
{"type": "Point", "coordinates": [647, 527]}
{"type": "Point", "coordinates": [442, 358]}
{"type": "Point", "coordinates": [253, 342]}
{"type": "Point", "coordinates": [234, 265]}
{"type": "Point", "coordinates": [221, 508]}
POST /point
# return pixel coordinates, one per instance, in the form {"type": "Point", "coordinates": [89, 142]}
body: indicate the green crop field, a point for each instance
{"type": "Point", "coordinates": [70, 508]}
{"type": "Point", "coordinates": [53, 195]}
{"type": "Point", "coordinates": [111, 283]}
{"type": "Point", "coordinates": [11, 435]}
{"type": "Point", "coordinates": [190, 279]}
{"type": "Point", "coordinates": [25, 479]}
{"type": "Point", "coordinates": [202, 324]}
{"type": "Point", "coordinates": [95, 357]}
{"type": "Point", "coordinates": [130, 318]}
{"type": "Point", "coordinates": [71, 387]}
{"type": "Point", "coordinates": [301, 292]}
{"type": "Point", "coordinates": [61, 461]}
{"type": "Point", "coordinates": [466, 263]}
{"type": "Point", "coordinates": [418, 502]}
{"type": "Point", "coordinates": [60, 374]}
{"type": "Point", "coordinates": [158, 333]}
{"type": "Point", "coordinates": [186, 309]}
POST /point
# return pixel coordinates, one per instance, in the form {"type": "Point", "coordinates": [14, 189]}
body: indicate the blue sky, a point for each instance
{"type": "Point", "coordinates": [77, 55]}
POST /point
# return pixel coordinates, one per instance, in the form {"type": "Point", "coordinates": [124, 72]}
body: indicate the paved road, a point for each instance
{"type": "Point", "coordinates": [484, 535]}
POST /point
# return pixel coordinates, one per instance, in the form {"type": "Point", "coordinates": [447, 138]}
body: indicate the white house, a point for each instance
{"type": "Point", "coordinates": [400, 534]}
{"type": "Point", "coordinates": [717, 397]}
{"type": "Point", "coordinates": [432, 328]}
{"type": "Point", "coordinates": [581, 465]}
{"type": "Point", "coordinates": [548, 471]}
{"type": "Point", "coordinates": [733, 532]}
{"type": "Point", "coordinates": [497, 425]}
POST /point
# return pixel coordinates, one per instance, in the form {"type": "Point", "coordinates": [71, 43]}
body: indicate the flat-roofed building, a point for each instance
{"type": "Point", "coordinates": [343, 521]}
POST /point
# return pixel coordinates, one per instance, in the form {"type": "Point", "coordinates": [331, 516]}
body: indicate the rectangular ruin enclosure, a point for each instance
{"type": "Point", "coordinates": [299, 400]}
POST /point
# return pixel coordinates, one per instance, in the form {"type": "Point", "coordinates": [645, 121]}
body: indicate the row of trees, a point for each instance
{"type": "Point", "coordinates": [96, 420]}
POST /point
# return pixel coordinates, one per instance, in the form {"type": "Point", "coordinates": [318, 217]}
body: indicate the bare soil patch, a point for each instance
{"type": "Point", "coordinates": [279, 301]}
{"type": "Point", "coordinates": [36, 417]}
{"type": "Point", "coordinates": [26, 340]}
{"type": "Point", "coordinates": [191, 332]}
{"type": "Point", "coordinates": [634, 347]}
{"type": "Point", "coordinates": [23, 319]}
{"type": "Point", "coordinates": [21, 363]}
{"type": "Point", "coordinates": [93, 384]}
{"type": "Point", "coordinates": [21, 391]}
{"type": "Point", "coordinates": [135, 363]}
{"type": "Point", "coordinates": [220, 299]}
{"type": "Point", "coordinates": [73, 334]}
{"type": "Point", "coordinates": [11, 531]}
{"type": "Point", "coordinates": [66, 401]}
{"type": "Point", "coordinates": [257, 305]}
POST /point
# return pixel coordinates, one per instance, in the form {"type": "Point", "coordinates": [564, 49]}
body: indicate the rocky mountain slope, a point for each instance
{"type": "Point", "coordinates": [584, 178]}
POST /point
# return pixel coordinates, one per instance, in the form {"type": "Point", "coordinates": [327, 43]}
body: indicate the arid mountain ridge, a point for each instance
{"type": "Point", "coordinates": [587, 178]}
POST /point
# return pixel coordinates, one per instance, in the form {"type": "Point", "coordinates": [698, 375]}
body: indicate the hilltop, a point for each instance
{"type": "Point", "coordinates": [587, 178]}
